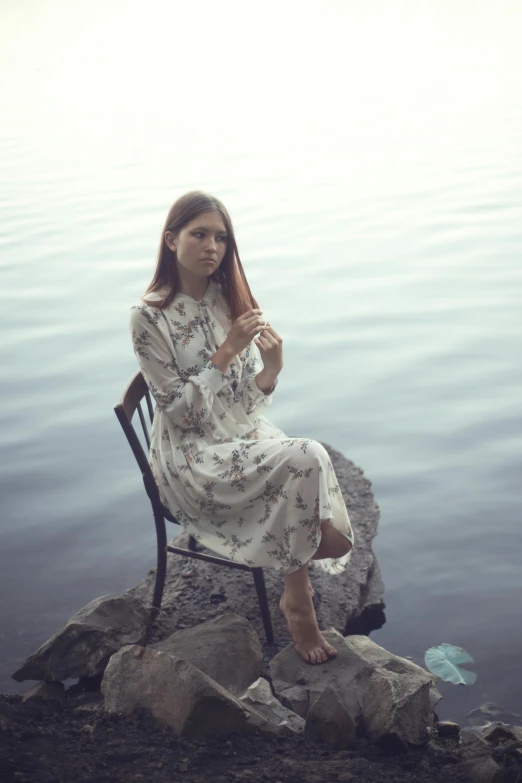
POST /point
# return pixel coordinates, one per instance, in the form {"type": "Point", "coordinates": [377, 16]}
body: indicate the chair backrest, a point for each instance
{"type": "Point", "coordinates": [131, 402]}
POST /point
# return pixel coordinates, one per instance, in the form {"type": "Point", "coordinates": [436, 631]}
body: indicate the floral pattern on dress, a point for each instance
{"type": "Point", "coordinates": [228, 475]}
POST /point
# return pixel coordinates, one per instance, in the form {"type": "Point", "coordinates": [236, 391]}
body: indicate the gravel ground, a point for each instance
{"type": "Point", "coordinates": [77, 742]}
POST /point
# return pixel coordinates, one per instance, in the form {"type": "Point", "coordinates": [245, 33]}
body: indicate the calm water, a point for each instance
{"type": "Point", "coordinates": [371, 159]}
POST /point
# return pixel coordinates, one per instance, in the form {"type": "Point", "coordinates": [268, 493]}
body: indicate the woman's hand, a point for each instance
{"type": "Point", "coordinates": [244, 329]}
{"type": "Point", "coordinates": [270, 345]}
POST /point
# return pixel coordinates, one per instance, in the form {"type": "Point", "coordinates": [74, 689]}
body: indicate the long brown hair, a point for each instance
{"type": "Point", "coordinates": [229, 275]}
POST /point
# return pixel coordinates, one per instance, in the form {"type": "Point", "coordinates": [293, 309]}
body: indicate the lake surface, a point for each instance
{"type": "Point", "coordinates": [371, 158]}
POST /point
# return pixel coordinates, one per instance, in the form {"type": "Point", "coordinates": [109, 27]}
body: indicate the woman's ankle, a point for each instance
{"type": "Point", "coordinates": [297, 601]}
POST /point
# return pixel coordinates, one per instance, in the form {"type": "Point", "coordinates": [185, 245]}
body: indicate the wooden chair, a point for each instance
{"type": "Point", "coordinates": [130, 401]}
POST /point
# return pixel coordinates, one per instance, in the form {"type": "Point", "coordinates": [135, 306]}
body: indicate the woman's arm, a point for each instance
{"type": "Point", "coordinates": [187, 401]}
{"type": "Point", "coordinates": [256, 384]}
{"type": "Point", "coordinates": [266, 381]}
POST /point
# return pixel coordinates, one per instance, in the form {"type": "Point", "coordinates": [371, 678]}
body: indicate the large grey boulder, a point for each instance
{"type": "Point", "coordinates": [397, 705]}
{"type": "Point", "coordinates": [388, 697]}
{"type": "Point", "coordinates": [85, 644]}
{"type": "Point", "coordinates": [176, 693]}
{"type": "Point", "coordinates": [339, 598]}
{"type": "Point", "coordinates": [329, 721]}
{"type": "Point", "coordinates": [225, 648]}
{"type": "Point", "coordinates": [399, 698]}
{"type": "Point", "coordinates": [298, 684]}
{"type": "Point", "coordinates": [283, 721]}
{"type": "Point", "coordinates": [180, 695]}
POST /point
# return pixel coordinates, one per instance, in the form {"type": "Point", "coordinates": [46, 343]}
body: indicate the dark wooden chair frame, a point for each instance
{"type": "Point", "coordinates": [131, 401]}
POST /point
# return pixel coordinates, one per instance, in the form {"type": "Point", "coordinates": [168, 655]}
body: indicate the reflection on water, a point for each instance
{"type": "Point", "coordinates": [375, 189]}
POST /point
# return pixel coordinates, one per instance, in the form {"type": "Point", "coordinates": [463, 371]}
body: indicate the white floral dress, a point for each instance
{"type": "Point", "coordinates": [229, 476]}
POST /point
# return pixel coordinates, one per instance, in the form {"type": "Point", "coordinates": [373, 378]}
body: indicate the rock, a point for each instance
{"type": "Point", "coordinates": [397, 705]}
{"type": "Point", "coordinates": [517, 731]}
{"type": "Point", "coordinates": [329, 721]}
{"type": "Point", "coordinates": [387, 696]}
{"type": "Point", "coordinates": [347, 595]}
{"type": "Point", "coordinates": [435, 697]}
{"type": "Point", "coordinates": [88, 710]}
{"type": "Point", "coordinates": [500, 752]}
{"type": "Point", "coordinates": [446, 728]}
{"type": "Point", "coordinates": [83, 647]}
{"type": "Point", "coordinates": [298, 684]}
{"type": "Point", "coordinates": [470, 740]}
{"type": "Point", "coordinates": [225, 648]}
{"type": "Point", "coordinates": [499, 732]}
{"type": "Point", "coordinates": [283, 721]}
{"type": "Point", "coordinates": [176, 693]}
{"type": "Point", "coordinates": [398, 697]}
{"type": "Point", "coordinates": [342, 755]}
{"type": "Point", "coordinates": [292, 766]}
{"type": "Point", "coordinates": [434, 747]}
{"type": "Point", "coordinates": [86, 704]}
{"type": "Point", "coordinates": [48, 691]}
{"type": "Point", "coordinates": [482, 770]}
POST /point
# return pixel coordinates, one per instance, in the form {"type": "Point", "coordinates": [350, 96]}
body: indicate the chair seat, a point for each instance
{"type": "Point", "coordinates": [200, 547]}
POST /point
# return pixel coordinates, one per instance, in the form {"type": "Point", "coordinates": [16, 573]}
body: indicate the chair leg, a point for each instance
{"type": "Point", "coordinates": [161, 570]}
{"type": "Point", "coordinates": [259, 581]}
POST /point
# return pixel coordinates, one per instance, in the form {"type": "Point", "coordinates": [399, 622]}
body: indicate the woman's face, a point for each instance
{"type": "Point", "coordinates": [201, 244]}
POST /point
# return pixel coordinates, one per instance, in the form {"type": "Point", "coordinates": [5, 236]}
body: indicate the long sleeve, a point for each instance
{"type": "Point", "coordinates": [248, 392]}
{"type": "Point", "coordinates": [185, 397]}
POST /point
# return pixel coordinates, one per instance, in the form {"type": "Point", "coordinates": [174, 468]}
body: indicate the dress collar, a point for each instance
{"type": "Point", "coordinates": [207, 293]}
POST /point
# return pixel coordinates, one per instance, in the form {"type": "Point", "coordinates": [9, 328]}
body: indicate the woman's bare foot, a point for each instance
{"type": "Point", "coordinates": [308, 641]}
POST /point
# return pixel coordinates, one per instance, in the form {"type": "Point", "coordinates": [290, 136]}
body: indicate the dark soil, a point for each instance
{"type": "Point", "coordinates": [77, 742]}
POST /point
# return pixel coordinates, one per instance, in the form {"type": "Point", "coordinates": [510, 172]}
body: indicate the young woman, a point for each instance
{"type": "Point", "coordinates": [231, 478]}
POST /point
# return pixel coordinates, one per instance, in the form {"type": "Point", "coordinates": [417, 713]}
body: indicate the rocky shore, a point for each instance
{"type": "Point", "coordinates": [195, 693]}
{"type": "Point", "coordinates": [57, 736]}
